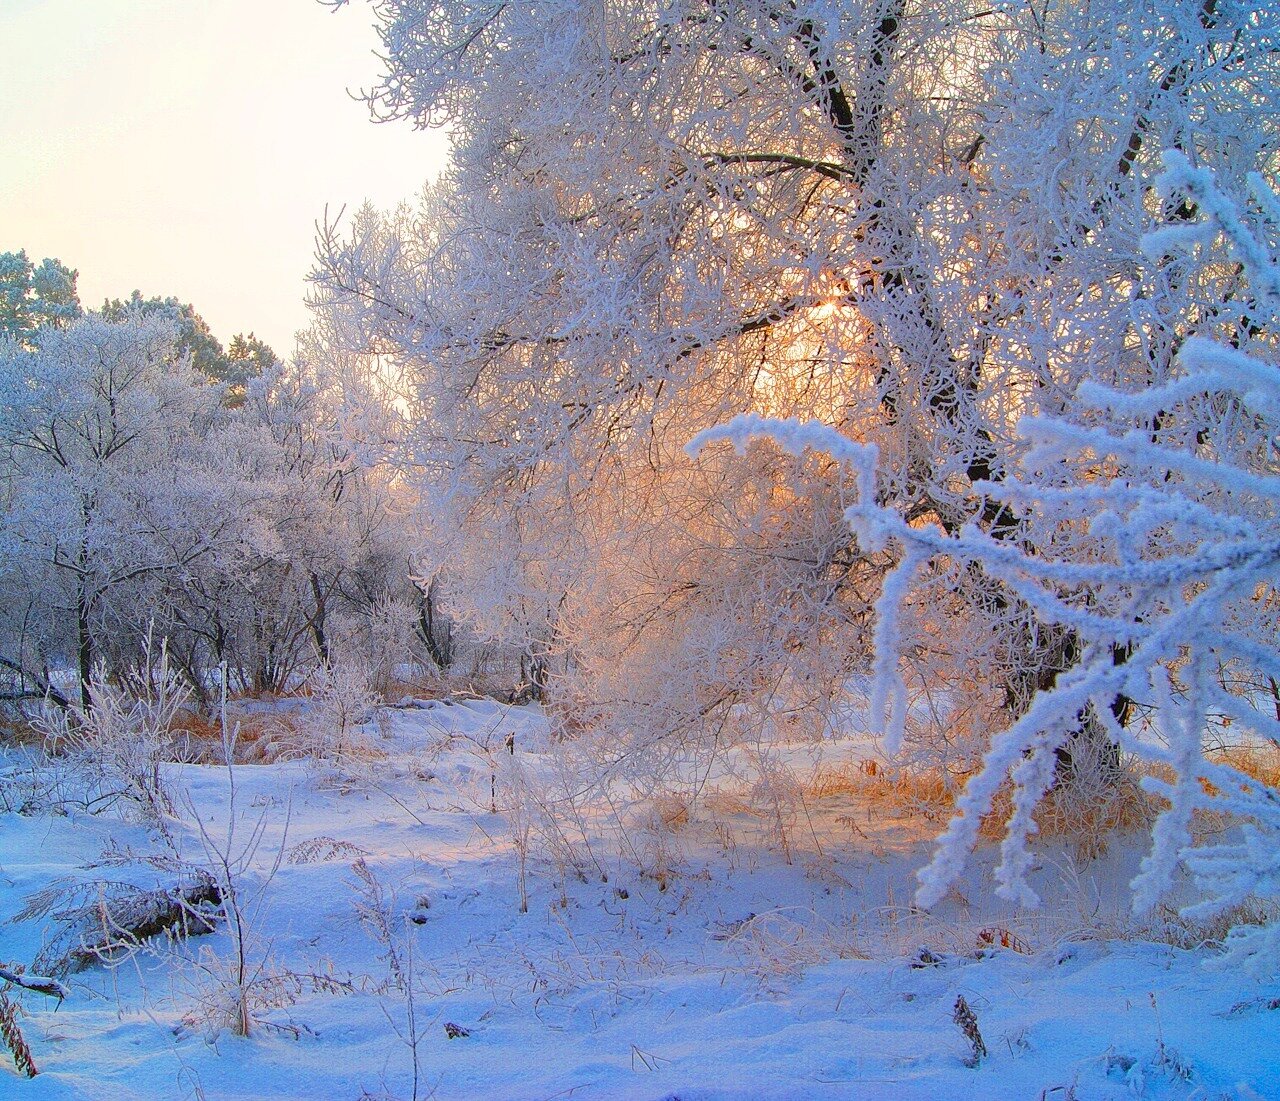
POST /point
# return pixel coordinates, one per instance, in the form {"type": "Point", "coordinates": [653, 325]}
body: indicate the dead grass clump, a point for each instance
{"type": "Point", "coordinates": [729, 804]}
{"type": "Point", "coordinates": [851, 778]}
{"type": "Point", "coordinates": [670, 812]}
{"type": "Point", "coordinates": [1260, 763]}
{"type": "Point", "coordinates": [18, 731]}
{"type": "Point", "coordinates": [925, 793]}
{"type": "Point", "coordinates": [427, 684]}
{"type": "Point", "coordinates": [1084, 811]}
{"type": "Point", "coordinates": [1085, 819]}
{"type": "Point", "coordinates": [781, 943]}
{"type": "Point", "coordinates": [657, 858]}
{"type": "Point", "coordinates": [1094, 806]}
{"type": "Point", "coordinates": [1167, 925]}
{"type": "Point", "coordinates": [199, 739]}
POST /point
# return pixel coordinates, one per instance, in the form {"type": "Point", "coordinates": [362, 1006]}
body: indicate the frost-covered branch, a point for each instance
{"type": "Point", "coordinates": [1162, 541]}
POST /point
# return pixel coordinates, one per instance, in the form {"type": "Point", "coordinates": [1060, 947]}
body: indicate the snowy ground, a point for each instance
{"type": "Point", "coordinates": [705, 967]}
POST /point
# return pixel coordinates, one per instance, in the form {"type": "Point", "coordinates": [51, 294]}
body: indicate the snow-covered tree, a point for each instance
{"type": "Point", "coordinates": [91, 417]}
{"type": "Point", "coordinates": [1156, 518]}
{"type": "Point", "coordinates": [914, 224]}
{"type": "Point", "coordinates": [332, 544]}
{"type": "Point", "coordinates": [143, 509]}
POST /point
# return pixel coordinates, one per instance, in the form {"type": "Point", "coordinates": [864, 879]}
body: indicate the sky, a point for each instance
{"type": "Point", "coordinates": [188, 148]}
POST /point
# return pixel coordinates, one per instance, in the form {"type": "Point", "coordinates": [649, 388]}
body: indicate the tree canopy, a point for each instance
{"type": "Point", "coordinates": [32, 296]}
{"type": "Point", "coordinates": [918, 226]}
{"type": "Point", "coordinates": [245, 358]}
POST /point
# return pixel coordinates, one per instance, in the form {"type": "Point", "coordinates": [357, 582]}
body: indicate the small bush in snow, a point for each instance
{"type": "Point", "coordinates": [115, 747]}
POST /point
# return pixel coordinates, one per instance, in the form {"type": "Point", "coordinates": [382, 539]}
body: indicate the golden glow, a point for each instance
{"type": "Point", "coordinates": [825, 309]}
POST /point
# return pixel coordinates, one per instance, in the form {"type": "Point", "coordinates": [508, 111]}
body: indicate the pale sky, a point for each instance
{"type": "Point", "coordinates": [187, 147]}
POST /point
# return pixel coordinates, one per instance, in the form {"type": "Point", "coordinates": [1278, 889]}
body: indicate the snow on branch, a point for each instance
{"type": "Point", "coordinates": [871, 523]}
{"type": "Point", "coordinates": [1198, 184]}
{"type": "Point", "coordinates": [795, 437]}
{"type": "Point", "coordinates": [39, 983]}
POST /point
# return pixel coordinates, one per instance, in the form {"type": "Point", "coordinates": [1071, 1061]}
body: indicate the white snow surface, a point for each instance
{"type": "Point", "coordinates": [732, 976]}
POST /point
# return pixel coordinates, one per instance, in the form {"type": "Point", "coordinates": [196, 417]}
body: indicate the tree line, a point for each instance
{"type": "Point", "coordinates": [162, 490]}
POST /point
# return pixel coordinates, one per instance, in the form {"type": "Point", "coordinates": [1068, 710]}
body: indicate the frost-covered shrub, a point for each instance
{"type": "Point", "coordinates": [342, 701]}
{"type": "Point", "coordinates": [116, 746]}
{"type": "Point", "coordinates": [379, 638]}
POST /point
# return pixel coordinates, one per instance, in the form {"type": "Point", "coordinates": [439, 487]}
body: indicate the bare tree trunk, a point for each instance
{"type": "Point", "coordinates": [435, 629]}
{"type": "Point", "coordinates": [318, 619]}
{"type": "Point", "coordinates": [84, 643]}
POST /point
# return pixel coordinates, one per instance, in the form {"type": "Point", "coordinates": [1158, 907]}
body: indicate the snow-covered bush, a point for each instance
{"type": "Point", "coordinates": [1156, 513]}
{"type": "Point", "coordinates": [380, 636]}
{"type": "Point", "coordinates": [115, 747]}
{"type": "Point", "coordinates": [95, 425]}
{"type": "Point", "coordinates": [341, 703]}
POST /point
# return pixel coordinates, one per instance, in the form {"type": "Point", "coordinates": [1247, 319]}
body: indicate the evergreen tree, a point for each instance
{"type": "Point", "coordinates": [32, 297]}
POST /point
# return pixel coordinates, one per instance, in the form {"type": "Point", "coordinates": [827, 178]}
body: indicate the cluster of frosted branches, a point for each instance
{"type": "Point", "coordinates": [260, 533]}
{"type": "Point", "coordinates": [913, 223]}
{"type": "Point", "coordinates": [1156, 512]}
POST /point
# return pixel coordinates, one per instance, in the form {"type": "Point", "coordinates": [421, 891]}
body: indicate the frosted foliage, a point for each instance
{"type": "Point", "coordinates": [341, 703]}
{"type": "Point", "coordinates": [144, 502]}
{"type": "Point", "coordinates": [662, 216]}
{"type": "Point", "coordinates": [117, 747]}
{"type": "Point", "coordinates": [1166, 501]}
{"type": "Point", "coordinates": [913, 226]}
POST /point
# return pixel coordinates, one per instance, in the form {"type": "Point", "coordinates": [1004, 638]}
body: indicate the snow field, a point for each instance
{"type": "Point", "coordinates": [709, 968]}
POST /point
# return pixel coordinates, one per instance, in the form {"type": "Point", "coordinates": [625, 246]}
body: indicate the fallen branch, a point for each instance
{"type": "Point", "coordinates": [38, 983]}
{"type": "Point", "coordinates": [44, 689]}
{"type": "Point", "coordinates": [99, 927]}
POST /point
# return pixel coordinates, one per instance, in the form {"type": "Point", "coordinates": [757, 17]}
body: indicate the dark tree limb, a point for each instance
{"type": "Point", "coordinates": [43, 689]}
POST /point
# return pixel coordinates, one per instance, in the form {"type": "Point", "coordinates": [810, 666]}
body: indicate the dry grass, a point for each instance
{"type": "Point", "coordinates": [17, 731]}
{"type": "Point", "coordinates": [928, 794]}
{"type": "Point", "coordinates": [423, 686]}
{"type": "Point", "coordinates": [1165, 925]}
{"type": "Point", "coordinates": [670, 812]}
{"type": "Point", "coordinates": [781, 943]}
{"type": "Point", "coordinates": [1260, 763]}
{"type": "Point", "coordinates": [434, 685]}
{"type": "Point", "coordinates": [1084, 814]}
{"type": "Point", "coordinates": [729, 804]}
{"type": "Point", "coordinates": [262, 739]}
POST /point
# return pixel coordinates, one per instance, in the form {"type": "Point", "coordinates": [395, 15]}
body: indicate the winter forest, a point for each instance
{"type": "Point", "coordinates": [760, 581]}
